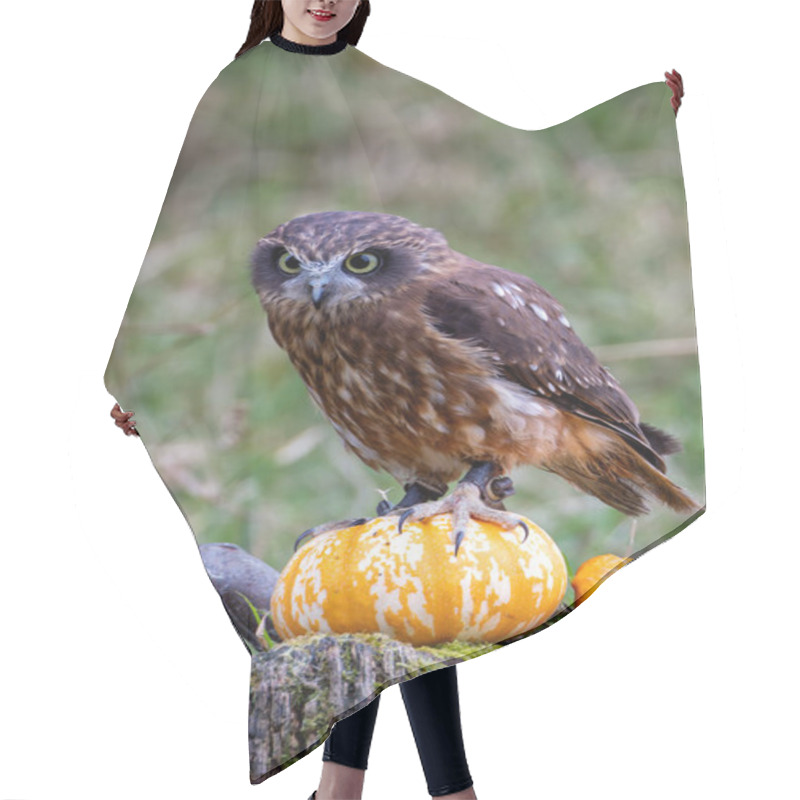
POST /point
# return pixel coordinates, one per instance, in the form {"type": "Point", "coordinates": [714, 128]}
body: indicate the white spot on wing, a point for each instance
{"type": "Point", "coordinates": [513, 297]}
{"type": "Point", "coordinates": [539, 311]}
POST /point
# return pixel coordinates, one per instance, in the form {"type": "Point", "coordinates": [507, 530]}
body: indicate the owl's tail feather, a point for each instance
{"type": "Point", "coordinates": [602, 464]}
{"type": "Point", "coordinates": [663, 443]}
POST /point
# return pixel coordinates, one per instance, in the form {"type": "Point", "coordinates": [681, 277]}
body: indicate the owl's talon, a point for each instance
{"type": "Point", "coordinates": [326, 527]}
{"type": "Point", "coordinates": [309, 533]}
{"type": "Point", "coordinates": [458, 540]}
{"type": "Point", "coordinates": [403, 517]}
{"type": "Point", "coordinates": [524, 528]}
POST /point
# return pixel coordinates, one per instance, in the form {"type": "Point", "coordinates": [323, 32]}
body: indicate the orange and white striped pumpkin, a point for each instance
{"type": "Point", "coordinates": [369, 578]}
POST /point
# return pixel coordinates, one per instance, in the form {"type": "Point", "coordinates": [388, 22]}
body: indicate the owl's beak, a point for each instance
{"type": "Point", "coordinates": [318, 285]}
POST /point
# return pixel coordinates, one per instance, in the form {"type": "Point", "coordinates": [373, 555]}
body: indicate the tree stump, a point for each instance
{"type": "Point", "coordinates": [300, 688]}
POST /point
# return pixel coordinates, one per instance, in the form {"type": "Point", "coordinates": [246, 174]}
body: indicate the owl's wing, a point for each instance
{"type": "Point", "coordinates": [527, 335]}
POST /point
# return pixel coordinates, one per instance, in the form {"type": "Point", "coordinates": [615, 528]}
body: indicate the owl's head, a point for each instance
{"type": "Point", "coordinates": [329, 258]}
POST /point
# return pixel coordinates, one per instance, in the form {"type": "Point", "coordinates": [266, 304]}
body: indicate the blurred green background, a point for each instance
{"type": "Point", "coordinates": [592, 209]}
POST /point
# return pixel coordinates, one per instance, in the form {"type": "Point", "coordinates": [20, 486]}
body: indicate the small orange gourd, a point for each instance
{"type": "Point", "coordinates": [411, 586]}
{"type": "Point", "coordinates": [592, 573]}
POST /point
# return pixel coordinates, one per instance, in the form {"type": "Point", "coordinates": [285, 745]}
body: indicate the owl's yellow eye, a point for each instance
{"type": "Point", "coordinates": [362, 263]}
{"type": "Point", "coordinates": [289, 264]}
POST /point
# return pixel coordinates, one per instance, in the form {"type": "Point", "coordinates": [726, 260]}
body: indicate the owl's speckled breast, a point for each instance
{"type": "Point", "coordinates": [418, 406]}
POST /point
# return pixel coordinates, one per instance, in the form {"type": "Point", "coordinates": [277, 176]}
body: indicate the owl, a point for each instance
{"type": "Point", "coordinates": [433, 366]}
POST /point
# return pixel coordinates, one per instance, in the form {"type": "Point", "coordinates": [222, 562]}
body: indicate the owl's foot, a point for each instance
{"type": "Point", "coordinates": [463, 503]}
{"type": "Point", "coordinates": [325, 528]}
{"type": "Point", "coordinates": [415, 493]}
{"type": "Point", "coordinates": [494, 489]}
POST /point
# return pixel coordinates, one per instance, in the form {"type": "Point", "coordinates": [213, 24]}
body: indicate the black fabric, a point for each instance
{"type": "Point", "coordinates": [308, 49]}
{"type": "Point", "coordinates": [433, 710]}
{"type": "Point", "coordinates": [351, 737]}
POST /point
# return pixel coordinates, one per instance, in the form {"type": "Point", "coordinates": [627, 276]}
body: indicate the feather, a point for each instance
{"type": "Point", "coordinates": [526, 329]}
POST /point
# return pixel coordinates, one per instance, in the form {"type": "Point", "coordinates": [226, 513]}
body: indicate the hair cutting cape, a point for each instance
{"type": "Point", "coordinates": [592, 209]}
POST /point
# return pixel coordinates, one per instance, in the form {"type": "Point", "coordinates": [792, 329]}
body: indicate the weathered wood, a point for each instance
{"type": "Point", "coordinates": [300, 688]}
{"type": "Point", "coordinates": [234, 572]}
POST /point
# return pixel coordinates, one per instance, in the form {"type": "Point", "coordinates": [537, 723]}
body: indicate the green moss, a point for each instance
{"type": "Point", "coordinates": [458, 649]}
{"type": "Point", "coordinates": [444, 651]}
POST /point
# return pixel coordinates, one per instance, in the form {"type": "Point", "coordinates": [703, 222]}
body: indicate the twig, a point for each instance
{"type": "Point", "coordinates": [646, 349]}
{"type": "Point", "coordinates": [631, 539]}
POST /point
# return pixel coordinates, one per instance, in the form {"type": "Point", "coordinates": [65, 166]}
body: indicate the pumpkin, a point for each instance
{"type": "Point", "coordinates": [410, 585]}
{"type": "Point", "coordinates": [593, 572]}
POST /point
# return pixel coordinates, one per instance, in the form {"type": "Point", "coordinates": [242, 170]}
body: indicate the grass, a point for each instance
{"type": "Point", "coordinates": [592, 209]}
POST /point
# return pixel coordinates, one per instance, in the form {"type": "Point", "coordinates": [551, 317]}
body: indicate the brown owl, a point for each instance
{"type": "Point", "coordinates": [430, 364]}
